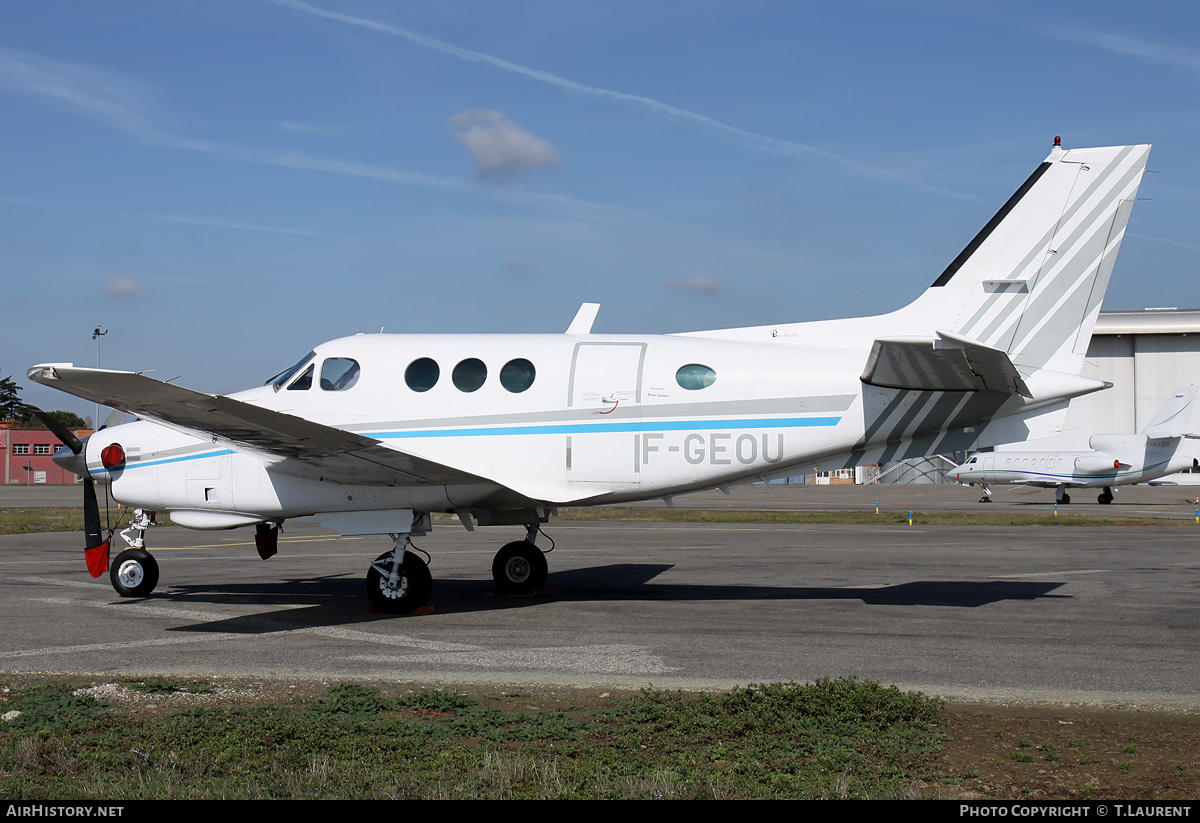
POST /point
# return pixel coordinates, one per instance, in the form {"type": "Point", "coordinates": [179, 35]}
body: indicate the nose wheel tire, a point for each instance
{"type": "Point", "coordinates": [519, 568]}
{"type": "Point", "coordinates": [410, 591]}
{"type": "Point", "coordinates": [134, 573]}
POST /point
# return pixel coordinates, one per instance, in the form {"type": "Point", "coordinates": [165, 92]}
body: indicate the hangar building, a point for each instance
{"type": "Point", "coordinates": [1146, 355]}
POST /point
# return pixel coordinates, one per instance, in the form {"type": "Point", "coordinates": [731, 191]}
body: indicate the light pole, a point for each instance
{"type": "Point", "coordinates": [96, 335]}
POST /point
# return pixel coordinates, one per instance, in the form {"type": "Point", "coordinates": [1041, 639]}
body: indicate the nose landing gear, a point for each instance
{"type": "Point", "coordinates": [134, 572]}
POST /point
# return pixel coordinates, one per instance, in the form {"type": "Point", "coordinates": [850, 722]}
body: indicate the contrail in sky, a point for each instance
{"type": "Point", "coordinates": [754, 140]}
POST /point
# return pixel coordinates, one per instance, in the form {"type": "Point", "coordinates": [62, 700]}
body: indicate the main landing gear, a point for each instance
{"type": "Point", "coordinates": [399, 582]}
{"type": "Point", "coordinates": [520, 567]}
{"type": "Point", "coordinates": [1061, 496]}
{"type": "Point", "coordinates": [1105, 496]}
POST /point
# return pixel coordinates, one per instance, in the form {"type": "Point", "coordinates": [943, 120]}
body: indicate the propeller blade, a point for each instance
{"type": "Point", "coordinates": [60, 431]}
{"type": "Point", "coordinates": [95, 550]}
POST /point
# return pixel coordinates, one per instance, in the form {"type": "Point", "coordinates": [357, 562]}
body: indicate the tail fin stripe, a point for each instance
{"type": "Point", "coordinates": [1076, 265]}
{"type": "Point", "coordinates": [1078, 250]}
{"type": "Point", "coordinates": [1100, 286]}
{"type": "Point", "coordinates": [1046, 334]}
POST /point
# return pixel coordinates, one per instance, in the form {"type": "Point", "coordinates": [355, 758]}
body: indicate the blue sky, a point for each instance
{"type": "Point", "coordinates": [222, 184]}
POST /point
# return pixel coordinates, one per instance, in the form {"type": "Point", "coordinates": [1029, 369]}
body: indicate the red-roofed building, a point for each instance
{"type": "Point", "coordinates": [27, 455]}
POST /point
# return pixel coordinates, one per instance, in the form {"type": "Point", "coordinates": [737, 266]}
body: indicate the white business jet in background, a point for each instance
{"type": "Point", "coordinates": [1163, 447]}
{"type": "Point", "coordinates": [370, 434]}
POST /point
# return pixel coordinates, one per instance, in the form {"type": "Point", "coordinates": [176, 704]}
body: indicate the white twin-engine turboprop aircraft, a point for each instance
{"type": "Point", "coordinates": [369, 434]}
{"type": "Point", "coordinates": [1163, 447]}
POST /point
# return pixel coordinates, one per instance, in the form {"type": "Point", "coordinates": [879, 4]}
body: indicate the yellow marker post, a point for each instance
{"type": "Point", "coordinates": [910, 518]}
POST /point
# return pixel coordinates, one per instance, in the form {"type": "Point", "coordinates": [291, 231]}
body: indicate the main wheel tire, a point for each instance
{"type": "Point", "coordinates": [1066, 499]}
{"type": "Point", "coordinates": [134, 573]}
{"type": "Point", "coordinates": [519, 568]}
{"type": "Point", "coordinates": [1105, 498]}
{"type": "Point", "coordinates": [413, 586]}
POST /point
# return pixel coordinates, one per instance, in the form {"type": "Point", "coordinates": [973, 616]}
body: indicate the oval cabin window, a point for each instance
{"type": "Point", "coordinates": [694, 377]}
{"type": "Point", "coordinates": [517, 375]}
{"type": "Point", "coordinates": [469, 374]}
{"type": "Point", "coordinates": [422, 374]}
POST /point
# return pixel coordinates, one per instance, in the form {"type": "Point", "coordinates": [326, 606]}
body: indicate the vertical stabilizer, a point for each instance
{"type": "Point", "coordinates": [1031, 282]}
{"type": "Point", "coordinates": [1174, 419]}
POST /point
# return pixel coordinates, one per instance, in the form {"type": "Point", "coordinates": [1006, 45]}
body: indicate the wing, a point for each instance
{"type": "Point", "coordinates": [299, 447]}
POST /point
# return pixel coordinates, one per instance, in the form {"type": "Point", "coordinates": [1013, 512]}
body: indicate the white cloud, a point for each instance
{"type": "Point", "coordinates": [1150, 52]}
{"type": "Point", "coordinates": [121, 286]}
{"type": "Point", "coordinates": [500, 147]}
{"type": "Point", "coordinates": [700, 282]}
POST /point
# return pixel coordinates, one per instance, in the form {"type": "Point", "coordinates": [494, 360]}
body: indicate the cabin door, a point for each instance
{"type": "Point", "coordinates": [604, 413]}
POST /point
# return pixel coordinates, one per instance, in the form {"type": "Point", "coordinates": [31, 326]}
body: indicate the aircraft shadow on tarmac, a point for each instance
{"type": "Point", "coordinates": [340, 600]}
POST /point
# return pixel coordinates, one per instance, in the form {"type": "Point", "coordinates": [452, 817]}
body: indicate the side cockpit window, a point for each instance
{"type": "Point", "coordinates": [303, 382]}
{"type": "Point", "coordinates": [339, 373]}
{"type": "Point", "coordinates": [277, 382]}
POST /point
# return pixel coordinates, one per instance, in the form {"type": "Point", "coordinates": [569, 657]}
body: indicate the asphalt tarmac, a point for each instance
{"type": "Point", "coordinates": [1171, 501]}
{"type": "Point", "coordinates": [1106, 616]}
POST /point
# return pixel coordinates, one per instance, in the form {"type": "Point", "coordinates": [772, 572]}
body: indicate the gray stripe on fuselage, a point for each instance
{"type": "Point", "coordinates": [895, 438]}
{"type": "Point", "coordinates": [782, 405]}
{"type": "Point", "coordinates": [643, 411]}
{"type": "Point", "coordinates": [859, 448]}
{"type": "Point", "coordinates": [932, 424]}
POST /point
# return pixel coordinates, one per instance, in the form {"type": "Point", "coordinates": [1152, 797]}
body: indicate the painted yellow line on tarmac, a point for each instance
{"type": "Point", "coordinates": [250, 543]}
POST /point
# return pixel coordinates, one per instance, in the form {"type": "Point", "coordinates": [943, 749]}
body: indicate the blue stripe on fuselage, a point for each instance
{"type": "Point", "coordinates": [557, 428]}
{"type": "Point", "coordinates": [606, 428]}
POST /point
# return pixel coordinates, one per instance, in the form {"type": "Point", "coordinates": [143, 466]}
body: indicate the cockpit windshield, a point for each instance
{"type": "Point", "coordinates": [278, 380]}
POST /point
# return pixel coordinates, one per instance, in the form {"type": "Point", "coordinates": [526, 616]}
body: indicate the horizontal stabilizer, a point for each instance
{"type": "Point", "coordinates": [949, 363]}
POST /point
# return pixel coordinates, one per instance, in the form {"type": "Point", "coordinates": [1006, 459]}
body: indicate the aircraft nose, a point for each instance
{"type": "Point", "coordinates": [72, 462]}
{"type": "Point", "coordinates": [954, 472]}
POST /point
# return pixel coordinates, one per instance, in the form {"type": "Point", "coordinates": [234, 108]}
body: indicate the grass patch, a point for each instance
{"type": "Point", "coordinates": [55, 519]}
{"type": "Point", "coordinates": [830, 738]}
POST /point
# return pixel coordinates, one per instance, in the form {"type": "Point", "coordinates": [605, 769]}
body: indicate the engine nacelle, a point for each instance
{"type": "Point", "coordinates": [1097, 463]}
